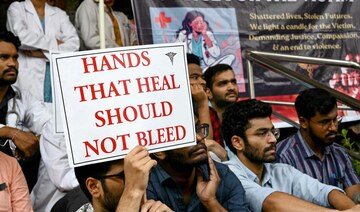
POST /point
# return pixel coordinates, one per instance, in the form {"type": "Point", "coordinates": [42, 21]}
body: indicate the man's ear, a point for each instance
{"type": "Point", "coordinates": [209, 93]}
{"type": "Point", "coordinates": [238, 143]}
{"type": "Point", "coordinates": [159, 155]}
{"type": "Point", "coordinates": [94, 187]}
{"type": "Point", "coordinates": [304, 123]}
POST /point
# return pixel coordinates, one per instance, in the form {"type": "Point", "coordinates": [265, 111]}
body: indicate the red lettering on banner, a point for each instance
{"type": "Point", "coordinates": [113, 61]}
{"type": "Point", "coordinates": [133, 113]}
{"type": "Point", "coordinates": [161, 135]}
{"type": "Point", "coordinates": [154, 83]}
{"type": "Point", "coordinates": [105, 65]}
{"type": "Point", "coordinates": [133, 58]}
{"type": "Point", "coordinates": [146, 59]}
{"type": "Point", "coordinates": [87, 65]}
{"type": "Point", "coordinates": [100, 91]}
{"type": "Point", "coordinates": [107, 145]}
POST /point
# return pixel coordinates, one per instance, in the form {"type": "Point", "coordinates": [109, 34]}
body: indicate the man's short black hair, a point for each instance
{"type": "Point", "coordinates": [93, 170]}
{"type": "Point", "coordinates": [314, 100]}
{"type": "Point", "coordinates": [212, 71]}
{"type": "Point", "coordinates": [9, 37]}
{"type": "Point", "coordinates": [191, 58]}
{"type": "Point", "coordinates": [237, 116]}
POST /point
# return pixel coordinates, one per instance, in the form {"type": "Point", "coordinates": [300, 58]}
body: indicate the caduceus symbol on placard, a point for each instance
{"type": "Point", "coordinates": [171, 55]}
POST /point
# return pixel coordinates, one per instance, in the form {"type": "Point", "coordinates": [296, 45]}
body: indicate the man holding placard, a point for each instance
{"type": "Point", "coordinates": [119, 185]}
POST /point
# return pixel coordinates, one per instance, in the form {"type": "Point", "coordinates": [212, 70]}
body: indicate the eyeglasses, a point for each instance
{"type": "Point", "coordinates": [202, 130]}
{"type": "Point", "coordinates": [120, 175]}
{"type": "Point", "coordinates": [264, 133]}
{"type": "Point", "coordinates": [327, 123]}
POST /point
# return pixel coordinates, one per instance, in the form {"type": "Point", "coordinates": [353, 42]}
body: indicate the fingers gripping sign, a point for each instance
{"type": "Point", "coordinates": [137, 166]}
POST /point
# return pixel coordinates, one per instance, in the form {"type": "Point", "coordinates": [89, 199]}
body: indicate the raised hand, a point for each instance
{"type": "Point", "coordinates": [206, 190]}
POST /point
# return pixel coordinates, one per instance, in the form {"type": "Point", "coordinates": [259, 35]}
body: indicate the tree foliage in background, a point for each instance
{"type": "Point", "coordinates": [353, 145]}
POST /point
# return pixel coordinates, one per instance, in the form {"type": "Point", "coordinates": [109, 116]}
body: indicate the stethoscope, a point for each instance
{"type": "Point", "coordinates": [12, 119]}
{"type": "Point", "coordinates": [12, 116]}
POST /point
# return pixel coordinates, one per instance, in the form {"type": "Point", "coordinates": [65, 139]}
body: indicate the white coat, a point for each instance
{"type": "Point", "coordinates": [55, 176]}
{"type": "Point", "coordinates": [26, 113]}
{"type": "Point", "coordinates": [87, 21]}
{"type": "Point", "coordinates": [24, 22]}
{"type": "Point", "coordinates": [209, 54]}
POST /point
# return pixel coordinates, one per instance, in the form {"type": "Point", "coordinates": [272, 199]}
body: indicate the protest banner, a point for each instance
{"type": "Point", "coordinates": [115, 99]}
{"type": "Point", "coordinates": [315, 28]}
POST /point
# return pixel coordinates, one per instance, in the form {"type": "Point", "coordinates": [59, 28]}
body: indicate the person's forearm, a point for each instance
{"type": "Point", "coordinates": [204, 116]}
{"type": "Point", "coordinates": [7, 132]}
{"type": "Point", "coordinates": [130, 201]}
{"type": "Point", "coordinates": [353, 192]}
{"type": "Point", "coordinates": [214, 206]}
{"type": "Point", "coordinates": [339, 200]}
{"type": "Point", "coordinates": [279, 201]}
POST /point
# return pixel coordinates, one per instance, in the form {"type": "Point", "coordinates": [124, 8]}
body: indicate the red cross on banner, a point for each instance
{"type": "Point", "coordinates": [163, 20]}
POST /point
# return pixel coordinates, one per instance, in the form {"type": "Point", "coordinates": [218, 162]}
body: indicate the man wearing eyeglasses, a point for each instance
{"type": "Point", "coordinates": [312, 149]}
{"type": "Point", "coordinates": [119, 185]}
{"type": "Point", "coordinates": [251, 136]}
{"type": "Point", "coordinates": [187, 179]}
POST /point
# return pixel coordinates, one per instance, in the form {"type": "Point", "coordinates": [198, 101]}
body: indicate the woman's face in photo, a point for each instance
{"type": "Point", "coordinates": [198, 24]}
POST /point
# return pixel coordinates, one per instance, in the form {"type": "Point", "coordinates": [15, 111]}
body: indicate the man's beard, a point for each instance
{"type": "Point", "coordinates": [223, 103]}
{"type": "Point", "coordinates": [183, 163]}
{"type": "Point", "coordinates": [8, 81]}
{"type": "Point", "coordinates": [318, 141]}
{"type": "Point", "coordinates": [254, 155]}
{"type": "Point", "coordinates": [110, 200]}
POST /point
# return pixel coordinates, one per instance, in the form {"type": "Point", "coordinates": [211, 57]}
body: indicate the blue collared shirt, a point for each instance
{"type": "Point", "coordinates": [334, 169]}
{"type": "Point", "coordinates": [230, 193]}
{"type": "Point", "coordinates": [282, 178]}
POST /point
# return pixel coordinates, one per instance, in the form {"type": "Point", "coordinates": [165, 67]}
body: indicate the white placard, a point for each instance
{"type": "Point", "coordinates": [115, 99]}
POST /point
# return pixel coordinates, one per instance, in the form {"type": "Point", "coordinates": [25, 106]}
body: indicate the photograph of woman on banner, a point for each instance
{"type": "Point", "coordinates": [200, 40]}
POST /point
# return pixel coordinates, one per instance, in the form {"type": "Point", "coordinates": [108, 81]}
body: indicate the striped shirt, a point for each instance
{"type": "Point", "coordinates": [334, 169]}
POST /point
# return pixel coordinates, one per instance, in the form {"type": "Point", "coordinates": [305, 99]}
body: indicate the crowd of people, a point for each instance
{"type": "Point", "coordinates": [237, 164]}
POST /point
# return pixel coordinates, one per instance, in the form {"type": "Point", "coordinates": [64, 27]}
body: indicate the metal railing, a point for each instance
{"type": "Point", "coordinates": [266, 59]}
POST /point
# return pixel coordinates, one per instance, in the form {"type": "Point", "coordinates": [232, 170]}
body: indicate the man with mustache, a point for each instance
{"type": "Point", "coordinates": [26, 128]}
{"type": "Point", "coordinates": [187, 179]}
{"type": "Point", "coordinates": [251, 136]}
{"type": "Point", "coordinates": [312, 149]}
{"type": "Point", "coordinates": [21, 117]}
{"type": "Point", "coordinates": [222, 90]}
